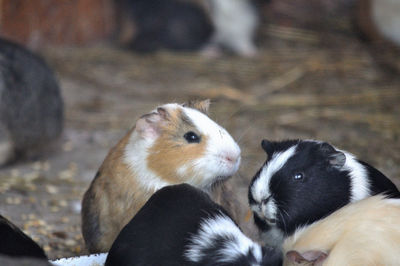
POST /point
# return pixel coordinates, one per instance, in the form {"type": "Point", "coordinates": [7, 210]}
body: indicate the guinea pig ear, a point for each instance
{"type": "Point", "coordinates": [150, 125]}
{"type": "Point", "coordinates": [312, 257]}
{"type": "Point", "coordinates": [268, 147]}
{"type": "Point", "coordinates": [336, 158]}
{"type": "Point", "coordinates": [201, 106]}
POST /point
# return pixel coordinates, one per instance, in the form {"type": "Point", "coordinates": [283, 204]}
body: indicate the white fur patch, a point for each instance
{"type": "Point", "coordinates": [359, 177]}
{"type": "Point", "coordinates": [89, 260]}
{"type": "Point", "coordinates": [221, 225]}
{"type": "Point", "coordinates": [395, 202]}
{"type": "Point", "coordinates": [135, 156]}
{"type": "Point", "coordinates": [385, 14]}
{"type": "Point", "coordinates": [235, 23]}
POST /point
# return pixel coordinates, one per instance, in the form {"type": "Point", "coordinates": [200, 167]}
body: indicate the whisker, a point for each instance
{"type": "Point", "coordinates": [239, 139]}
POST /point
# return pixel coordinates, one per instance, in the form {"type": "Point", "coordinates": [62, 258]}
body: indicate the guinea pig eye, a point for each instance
{"type": "Point", "coordinates": [298, 176]}
{"type": "Point", "coordinates": [191, 137]}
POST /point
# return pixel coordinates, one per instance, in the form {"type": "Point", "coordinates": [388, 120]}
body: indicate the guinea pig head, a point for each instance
{"type": "Point", "coordinates": [180, 144]}
{"type": "Point", "coordinates": [301, 182]}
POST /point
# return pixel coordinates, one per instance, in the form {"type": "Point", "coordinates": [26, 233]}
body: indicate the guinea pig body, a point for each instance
{"type": "Point", "coordinates": [171, 145]}
{"type": "Point", "coordinates": [181, 225]}
{"type": "Point", "coordinates": [362, 233]}
{"type": "Point", "coordinates": [31, 107]}
{"type": "Point", "coordinates": [235, 24]}
{"type": "Point", "coordinates": [303, 181]}
{"type": "Point", "coordinates": [16, 244]}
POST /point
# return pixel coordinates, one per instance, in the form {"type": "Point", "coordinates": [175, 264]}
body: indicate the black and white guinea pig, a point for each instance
{"type": "Point", "coordinates": [31, 105]}
{"type": "Point", "coordinates": [181, 225]}
{"type": "Point", "coordinates": [363, 233]}
{"type": "Point", "coordinates": [15, 243]}
{"type": "Point", "coordinates": [303, 181]}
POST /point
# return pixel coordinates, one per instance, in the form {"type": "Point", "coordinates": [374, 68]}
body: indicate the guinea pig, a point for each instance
{"type": "Point", "coordinates": [15, 243]}
{"type": "Point", "coordinates": [173, 144]}
{"type": "Point", "coordinates": [303, 181]}
{"type": "Point", "coordinates": [235, 24]}
{"type": "Point", "coordinates": [150, 25]}
{"type": "Point", "coordinates": [31, 106]}
{"type": "Point", "coordinates": [181, 225]}
{"type": "Point", "coordinates": [362, 233]}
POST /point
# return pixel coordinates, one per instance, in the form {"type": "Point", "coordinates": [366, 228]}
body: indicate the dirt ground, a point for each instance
{"type": "Point", "coordinates": [306, 86]}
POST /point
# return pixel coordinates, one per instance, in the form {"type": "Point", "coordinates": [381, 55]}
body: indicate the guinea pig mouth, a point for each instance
{"type": "Point", "coordinates": [271, 221]}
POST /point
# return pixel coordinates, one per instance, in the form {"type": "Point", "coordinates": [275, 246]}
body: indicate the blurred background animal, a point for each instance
{"type": "Point", "coordinates": [172, 144]}
{"type": "Point", "coordinates": [235, 24]}
{"type": "Point", "coordinates": [184, 25]}
{"type": "Point", "coordinates": [31, 106]}
{"type": "Point", "coordinates": [303, 181]}
{"type": "Point", "coordinates": [150, 25]}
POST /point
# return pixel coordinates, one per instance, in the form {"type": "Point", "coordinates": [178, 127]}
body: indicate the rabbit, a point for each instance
{"type": "Point", "coordinates": [362, 233]}
{"type": "Point", "coordinates": [303, 181]}
{"type": "Point", "coordinates": [16, 244]}
{"type": "Point", "coordinates": [181, 225]}
{"type": "Point", "coordinates": [173, 144]}
{"type": "Point", "coordinates": [31, 105]}
{"type": "Point", "coordinates": [150, 25]}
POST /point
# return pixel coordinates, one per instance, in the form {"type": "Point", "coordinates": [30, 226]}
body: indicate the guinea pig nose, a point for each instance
{"type": "Point", "coordinates": [231, 157]}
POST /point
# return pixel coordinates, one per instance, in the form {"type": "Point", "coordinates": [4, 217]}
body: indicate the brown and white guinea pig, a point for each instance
{"type": "Point", "coordinates": [303, 181]}
{"type": "Point", "coordinates": [363, 233]}
{"type": "Point", "coordinates": [181, 225]}
{"type": "Point", "coordinates": [173, 144]}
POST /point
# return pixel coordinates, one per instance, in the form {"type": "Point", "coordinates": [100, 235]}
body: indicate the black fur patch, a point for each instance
{"type": "Point", "coordinates": [15, 243]}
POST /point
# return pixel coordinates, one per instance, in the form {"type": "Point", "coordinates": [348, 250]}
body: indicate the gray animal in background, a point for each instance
{"type": "Point", "coordinates": [31, 106]}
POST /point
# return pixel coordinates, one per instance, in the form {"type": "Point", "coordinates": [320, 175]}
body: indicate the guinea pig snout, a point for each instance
{"type": "Point", "coordinates": [230, 157]}
{"type": "Point", "coordinates": [267, 210]}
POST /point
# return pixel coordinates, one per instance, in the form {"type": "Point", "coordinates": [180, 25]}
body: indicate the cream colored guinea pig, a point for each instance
{"type": "Point", "coordinates": [362, 233]}
{"type": "Point", "coordinates": [173, 144]}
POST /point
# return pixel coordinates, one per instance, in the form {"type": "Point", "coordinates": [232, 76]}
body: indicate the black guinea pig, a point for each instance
{"type": "Point", "coordinates": [181, 225]}
{"type": "Point", "coordinates": [15, 243]}
{"type": "Point", "coordinates": [303, 181]}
